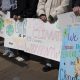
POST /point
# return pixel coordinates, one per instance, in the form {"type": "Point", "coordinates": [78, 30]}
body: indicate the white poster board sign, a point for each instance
{"type": "Point", "coordinates": [43, 39]}
{"type": "Point", "coordinates": [68, 19]}
{"type": "Point", "coordinates": [15, 34]}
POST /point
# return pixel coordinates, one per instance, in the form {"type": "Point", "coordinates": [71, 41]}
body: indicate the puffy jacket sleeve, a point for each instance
{"type": "Point", "coordinates": [61, 9]}
{"type": "Point", "coordinates": [41, 7]}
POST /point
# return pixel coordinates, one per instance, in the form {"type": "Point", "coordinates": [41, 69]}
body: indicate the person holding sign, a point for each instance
{"type": "Point", "coordinates": [48, 10]}
{"type": "Point", "coordinates": [25, 9]}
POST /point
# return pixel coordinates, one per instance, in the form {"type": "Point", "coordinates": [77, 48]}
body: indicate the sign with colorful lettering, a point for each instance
{"type": "Point", "coordinates": [70, 55]}
{"type": "Point", "coordinates": [34, 36]}
{"type": "Point", "coordinates": [43, 39]}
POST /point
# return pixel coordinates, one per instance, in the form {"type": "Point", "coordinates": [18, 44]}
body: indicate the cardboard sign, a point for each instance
{"type": "Point", "coordinates": [70, 55]}
{"type": "Point", "coordinates": [43, 39]}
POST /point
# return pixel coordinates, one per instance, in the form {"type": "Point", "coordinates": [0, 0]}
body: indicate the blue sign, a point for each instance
{"type": "Point", "coordinates": [70, 55]}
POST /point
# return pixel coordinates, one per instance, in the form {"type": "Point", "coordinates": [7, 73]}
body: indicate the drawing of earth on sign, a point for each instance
{"type": "Point", "coordinates": [1, 23]}
{"type": "Point", "coordinates": [9, 30]}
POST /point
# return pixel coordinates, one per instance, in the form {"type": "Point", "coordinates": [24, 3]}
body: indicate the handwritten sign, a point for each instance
{"type": "Point", "coordinates": [43, 39]}
{"type": "Point", "coordinates": [70, 56]}
{"type": "Point", "coordinates": [35, 37]}
{"type": "Point", "coordinates": [15, 34]}
{"type": "Point", "coordinates": [67, 19]}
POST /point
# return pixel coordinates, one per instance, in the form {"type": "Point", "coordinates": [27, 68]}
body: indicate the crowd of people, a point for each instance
{"type": "Point", "coordinates": [46, 10]}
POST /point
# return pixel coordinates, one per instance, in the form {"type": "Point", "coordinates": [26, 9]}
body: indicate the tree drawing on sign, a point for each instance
{"type": "Point", "coordinates": [9, 30]}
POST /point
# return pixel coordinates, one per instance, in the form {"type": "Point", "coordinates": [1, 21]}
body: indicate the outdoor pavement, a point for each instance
{"type": "Point", "coordinates": [10, 69]}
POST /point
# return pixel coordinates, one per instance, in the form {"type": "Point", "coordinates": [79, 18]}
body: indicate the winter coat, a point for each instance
{"type": "Point", "coordinates": [52, 7]}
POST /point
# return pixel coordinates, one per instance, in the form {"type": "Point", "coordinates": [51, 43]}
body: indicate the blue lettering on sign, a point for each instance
{"type": "Point", "coordinates": [70, 54]}
{"type": "Point", "coordinates": [72, 37]}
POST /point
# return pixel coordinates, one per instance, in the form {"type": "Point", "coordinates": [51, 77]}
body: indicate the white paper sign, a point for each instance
{"type": "Point", "coordinates": [43, 39]}
{"type": "Point", "coordinates": [67, 19]}
{"type": "Point", "coordinates": [15, 34]}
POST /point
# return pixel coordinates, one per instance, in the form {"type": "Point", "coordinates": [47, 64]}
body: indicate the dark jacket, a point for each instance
{"type": "Point", "coordinates": [25, 8]}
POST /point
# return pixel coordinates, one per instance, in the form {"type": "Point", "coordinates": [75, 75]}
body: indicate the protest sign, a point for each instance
{"type": "Point", "coordinates": [70, 54]}
{"type": "Point", "coordinates": [67, 19]}
{"type": "Point", "coordinates": [43, 39]}
{"type": "Point", "coordinates": [35, 37]}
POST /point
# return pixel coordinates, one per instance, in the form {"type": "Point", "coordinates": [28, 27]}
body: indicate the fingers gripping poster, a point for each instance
{"type": "Point", "coordinates": [15, 34]}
